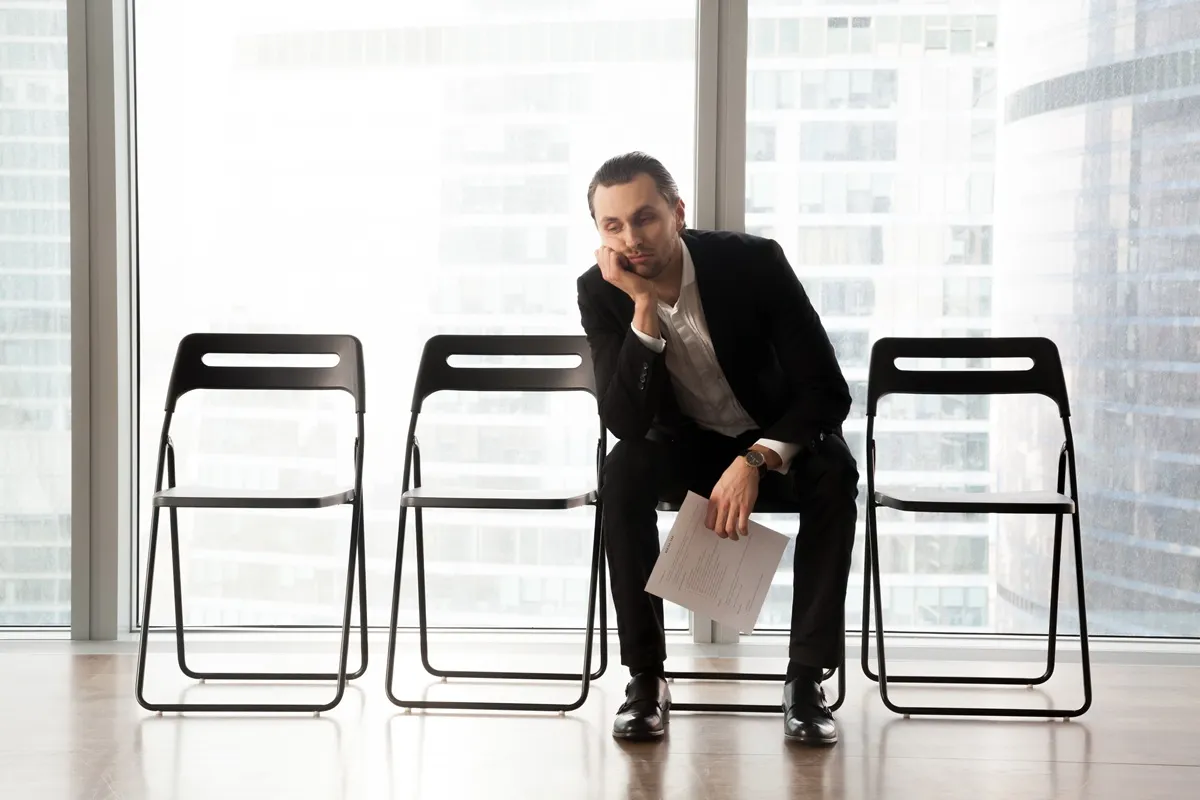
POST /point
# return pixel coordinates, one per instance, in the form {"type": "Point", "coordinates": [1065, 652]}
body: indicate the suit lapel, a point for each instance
{"type": "Point", "coordinates": [718, 298]}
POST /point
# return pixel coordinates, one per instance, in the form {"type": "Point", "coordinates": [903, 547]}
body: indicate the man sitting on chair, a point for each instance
{"type": "Point", "coordinates": [716, 374]}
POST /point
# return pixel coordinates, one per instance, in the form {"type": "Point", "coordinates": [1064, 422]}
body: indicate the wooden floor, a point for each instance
{"type": "Point", "coordinates": [69, 728]}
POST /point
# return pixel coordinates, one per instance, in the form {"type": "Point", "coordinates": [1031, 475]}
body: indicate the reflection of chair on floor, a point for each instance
{"type": "Point", "coordinates": [190, 373]}
{"type": "Point", "coordinates": [765, 507]}
{"type": "Point", "coordinates": [436, 374]}
{"type": "Point", "coordinates": [1044, 377]}
{"type": "Point", "coordinates": [264, 729]}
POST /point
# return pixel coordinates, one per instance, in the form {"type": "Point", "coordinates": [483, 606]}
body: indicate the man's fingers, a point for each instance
{"type": "Point", "coordinates": [727, 521]}
{"type": "Point", "coordinates": [710, 518]}
{"type": "Point", "coordinates": [721, 529]}
{"type": "Point", "coordinates": [744, 522]}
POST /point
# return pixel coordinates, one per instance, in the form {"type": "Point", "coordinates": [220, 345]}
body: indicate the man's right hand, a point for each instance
{"type": "Point", "coordinates": [616, 271]}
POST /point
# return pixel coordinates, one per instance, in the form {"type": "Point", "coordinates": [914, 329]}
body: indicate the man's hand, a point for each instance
{"type": "Point", "coordinates": [616, 271]}
{"type": "Point", "coordinates": [732, 501]}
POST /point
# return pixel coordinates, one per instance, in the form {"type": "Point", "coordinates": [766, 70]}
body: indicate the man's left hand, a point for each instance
{"type": "Point", "coordinates": [732, 501]}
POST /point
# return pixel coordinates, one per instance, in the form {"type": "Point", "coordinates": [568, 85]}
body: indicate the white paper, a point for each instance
{"type": "Point", "coordinates": [719, 578]}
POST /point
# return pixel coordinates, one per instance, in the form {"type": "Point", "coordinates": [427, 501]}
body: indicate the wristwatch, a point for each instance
{"type": "Point", "coordinates": [756, 460]}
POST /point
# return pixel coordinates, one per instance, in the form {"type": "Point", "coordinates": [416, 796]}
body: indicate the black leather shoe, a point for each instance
{"type": "Point", "coordinates": [806, 717]}
{"type": "Point", "coordinates": [645, 712]}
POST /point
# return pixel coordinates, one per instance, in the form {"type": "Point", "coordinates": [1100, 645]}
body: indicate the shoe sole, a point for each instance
{"type": "Point", "coordinates": [811, 742]}
{"type": "Point", "coordinates": [640, 737]}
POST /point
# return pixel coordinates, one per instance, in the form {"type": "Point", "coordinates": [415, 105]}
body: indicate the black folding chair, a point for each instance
{"type": "Point", "coordinates": [190, 373]}
{"type": "Point", "coordinates": [1046, 378]}
{"type": "Point", "coordinates": [435, 374]}
{"type": "Point", "coordinates": [764, 507]}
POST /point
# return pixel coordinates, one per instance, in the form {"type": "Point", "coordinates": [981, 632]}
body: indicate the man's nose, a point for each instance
{"type": "Point", "coordinates": [633, 241]}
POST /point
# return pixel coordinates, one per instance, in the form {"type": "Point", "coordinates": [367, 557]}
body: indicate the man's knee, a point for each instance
{"type": "Point", "coordinates": [631, 469]}
{"type": "Point", "coordinates": [839, 478]}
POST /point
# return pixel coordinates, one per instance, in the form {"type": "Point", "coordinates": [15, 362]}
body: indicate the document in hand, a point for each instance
{"type": "Point", "coordinates": [719, 578]}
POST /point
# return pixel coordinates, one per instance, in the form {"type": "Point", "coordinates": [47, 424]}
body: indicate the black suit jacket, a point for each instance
{"type": "Point", "coordinates": [768, 338]}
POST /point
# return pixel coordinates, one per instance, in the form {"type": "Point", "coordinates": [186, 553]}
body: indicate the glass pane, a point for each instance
{"type": "Point", "coordinates": [35, 317]}
{"type": "Point", "coordinates": [872, 270]}
{"type": "Point", "coordinates": [1074, 218]}
{"type": "Point", "coordinates": [310, 179]}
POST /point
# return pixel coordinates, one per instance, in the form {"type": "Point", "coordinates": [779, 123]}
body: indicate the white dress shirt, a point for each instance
{"type": "Point", "coordinates": [700, 386]}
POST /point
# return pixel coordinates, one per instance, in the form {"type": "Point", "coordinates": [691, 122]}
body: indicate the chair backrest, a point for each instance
{"type": "Point", "coordinates": [436, 374]}
{"type": "Point", "coordinates": [1044, 377]}
{"type": "Point", "coordinates": [190, 372]}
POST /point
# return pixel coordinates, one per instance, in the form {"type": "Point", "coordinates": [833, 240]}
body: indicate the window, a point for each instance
{"type": "Point", "coordinates": [760, 193]}
{"type": "Point", "coordinates": [762, 38]}
{"type": "Point", "coordinates": [35, 358]}
{"type": "Point", "coordinates": [35, 315]}
{"type": "Point", "coordinates": [983, 140]}
{"type": "Point", "coordinates": [774, 90]}
{"type": "Point", "coordinates": [983, 88]}
{"type": "Point", "coordinates": [859, 244]}
{"type": "Point", "coordinates": [967, 297]}
{"type": "Point", "coordinates": [760, 142]}
{"type": "Point", "coordinates": [968, 244]}
{"type": "Point", "coordinates": [457, 205]}
{"type": "Point", "coordinates": [846, 298]}
{"type": "Point", "coordinates": [847, 141]}
{"type": "Point", "coordinates": [848, 88]}
{"type": "Point", "coordinates": [852, 347]}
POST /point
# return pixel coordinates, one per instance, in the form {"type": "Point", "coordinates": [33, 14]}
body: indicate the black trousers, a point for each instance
{"type": "Point", "coordinates": [822, 480]}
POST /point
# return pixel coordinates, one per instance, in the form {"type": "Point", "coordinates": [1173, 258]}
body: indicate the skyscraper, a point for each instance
{"type": "Point", "coordinates": [1101, 204]}
{"type": "Point", "coordinates": [35, 316]}
{"type": "Point", "coordinates": [870, 153]}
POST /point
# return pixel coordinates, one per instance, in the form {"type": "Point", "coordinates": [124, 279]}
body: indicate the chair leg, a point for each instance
{"type": "Point", "coordinates": [585, 677]}
{"type": "Point", "coordinates": [362, 599]}
{"type": "Point", "coordinates": [423, 627]}
{"type": "Point", "coordinates": [1084, 652]}
{"type": "Point", "coordinates": [602, 599]}
{"type": "Point", "coordinates": [394, 615]}
{"type": "Point", "coordinates": [870, 577]}
{"type": "Point", "coordinates": [751, 708]}
{"type": "Point", "coordinates": [356, 540]}
{"type": "Point", "coordinates": [151, 556]}
{"type": "Point", "coordinates": [884, 680]}
{"type": "Point", "coordinates": [357, 533]}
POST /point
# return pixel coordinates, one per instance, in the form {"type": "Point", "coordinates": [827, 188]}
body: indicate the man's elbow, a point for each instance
{"type": "Point", "coordinates": [623, 423]}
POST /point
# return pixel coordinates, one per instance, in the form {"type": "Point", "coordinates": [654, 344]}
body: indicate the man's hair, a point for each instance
{"type": "Point", "coordinates": [624, 168]}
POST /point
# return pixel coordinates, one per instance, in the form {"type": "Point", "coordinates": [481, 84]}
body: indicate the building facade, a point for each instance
{"type": "Point", "coordinates": [35, 317]}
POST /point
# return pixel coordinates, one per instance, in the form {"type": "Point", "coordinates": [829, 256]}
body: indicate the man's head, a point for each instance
{"type": "Point", "coordinates": [637, 209]}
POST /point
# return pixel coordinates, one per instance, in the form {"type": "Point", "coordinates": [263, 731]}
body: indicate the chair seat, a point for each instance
{"type": "Point", "coordinates": [762, 507]}
{"type": "Point", "coordinates": [511, 499]}
{"type": "Point", "coordinates": [945, 501]}
{"type": "Point", "coordinates": [228, 497]}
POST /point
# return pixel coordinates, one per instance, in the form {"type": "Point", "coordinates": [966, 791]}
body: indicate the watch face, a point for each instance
{"type": "Point", "coordinates": [755, 458]}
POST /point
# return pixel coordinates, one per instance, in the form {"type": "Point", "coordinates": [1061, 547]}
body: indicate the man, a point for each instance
{"type": "Point", "coordinates": [714, 371]}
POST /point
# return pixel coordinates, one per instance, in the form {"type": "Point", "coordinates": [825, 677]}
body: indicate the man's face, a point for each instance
{"type": "Point", "coordinates": [636, 222]}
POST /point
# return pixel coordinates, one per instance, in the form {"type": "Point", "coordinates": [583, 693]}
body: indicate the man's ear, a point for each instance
{"type": "Point", "coordinates": [680, 216]}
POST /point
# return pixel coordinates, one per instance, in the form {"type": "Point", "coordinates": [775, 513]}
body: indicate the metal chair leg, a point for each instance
{"type": "Point", "coordinates": [584, 676]}
{"type": "Point", "coordinates": [752, 708]}
{"type": "Point", "coordinates": [874, 575]}
{"type": "Point", "coordinates": [340, 675]}
{"type": "Point", "coordinates": [357, 529]}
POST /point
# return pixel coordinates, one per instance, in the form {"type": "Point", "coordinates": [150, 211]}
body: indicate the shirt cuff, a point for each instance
{"type": "Point", "coordinates": [657, 345]}
{"type": "Point", "coordinates": [785, 450]}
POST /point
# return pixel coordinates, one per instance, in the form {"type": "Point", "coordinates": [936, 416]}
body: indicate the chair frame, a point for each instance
{"type": "Point", "coordinates": [434, 375]}
{"type": "Point", "coordinates": [749, 677]}
{"type": "Point", "coordinates": [1045, 378]}
{"type": "Point", "coordinates": [189, 373]}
